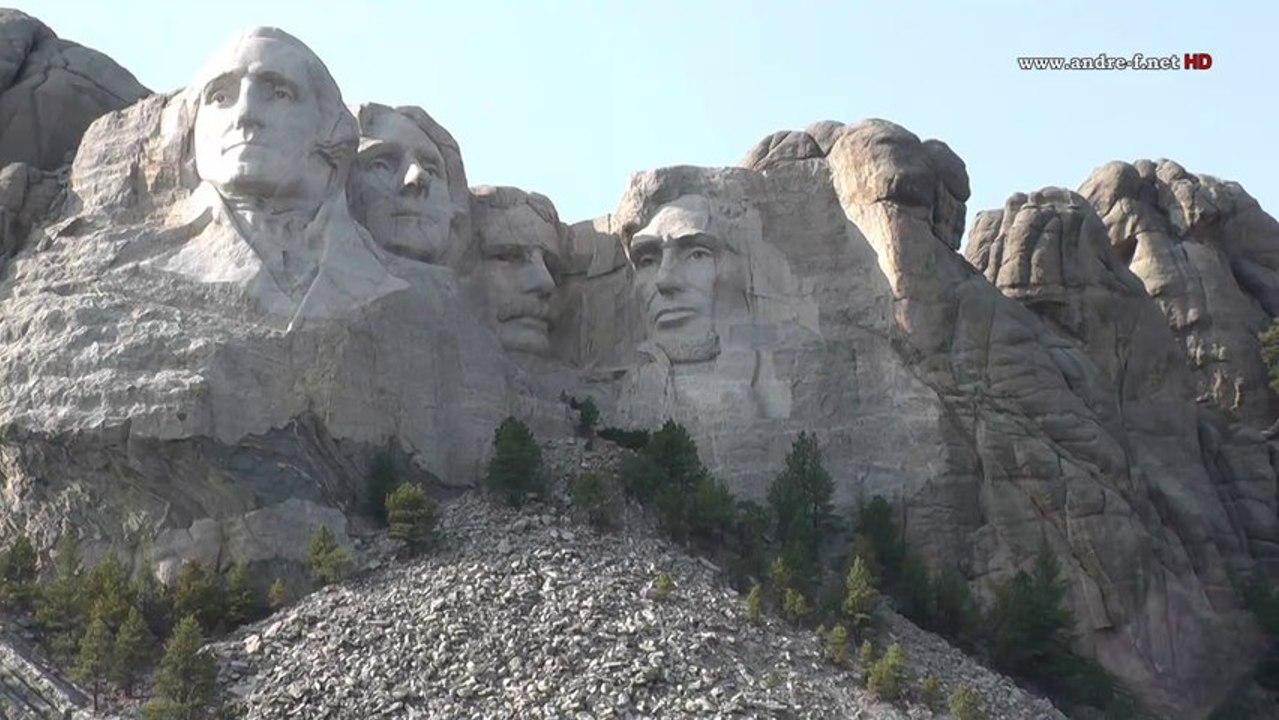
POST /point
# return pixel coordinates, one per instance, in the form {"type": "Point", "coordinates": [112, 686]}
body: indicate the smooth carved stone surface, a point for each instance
{"type": "Point", "coordinates": [516, 263]}
{"type": "Point", "coordinates": [409, 185]}
{"type": "Point", "coordinates": [51, 90]}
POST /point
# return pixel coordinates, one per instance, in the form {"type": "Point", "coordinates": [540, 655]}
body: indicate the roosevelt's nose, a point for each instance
{"type": "Point", "coordinates": [537, 277]}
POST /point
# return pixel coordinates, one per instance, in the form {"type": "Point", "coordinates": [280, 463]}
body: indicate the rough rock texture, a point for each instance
{"type": "Point", "coordinates": [29, 691]}
{"type": "Point", "coordinates": [1209, 256]}
{"type": "Point", "coordinates": [183, 372]}
{"type": "Point", "coordinates": [528, 615]}
{"type": "Point", "coordinates": [51, 90]}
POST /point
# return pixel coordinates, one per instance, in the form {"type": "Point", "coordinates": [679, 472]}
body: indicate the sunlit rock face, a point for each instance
{"type": "Point", "coordinates": [204, 292]}
{"type": "Point", "coordinates": [238, 293]}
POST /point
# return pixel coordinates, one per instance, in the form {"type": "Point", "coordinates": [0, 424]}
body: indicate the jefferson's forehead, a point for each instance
{"type": "Point", "coordinates": [392, 127]}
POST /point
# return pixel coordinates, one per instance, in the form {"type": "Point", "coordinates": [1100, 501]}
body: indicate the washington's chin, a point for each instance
{"type": "Point", "coordinates": [525, 334]}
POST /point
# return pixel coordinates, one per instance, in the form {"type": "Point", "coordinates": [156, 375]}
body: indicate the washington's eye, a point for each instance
{"type": "Point", "coordinates": [283, 94]}
{"type": "Point", "coordinates": [218, 98]}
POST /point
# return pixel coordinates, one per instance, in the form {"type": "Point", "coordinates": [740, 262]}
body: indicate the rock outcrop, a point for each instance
{"type": "Point", "coordinates": [211, 325]}
{"type": "Point", "coordinates": [51, 90]}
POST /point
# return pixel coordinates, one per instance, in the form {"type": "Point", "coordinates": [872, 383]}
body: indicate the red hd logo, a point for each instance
{"type": "Point", "coordinates": [1198, 61]}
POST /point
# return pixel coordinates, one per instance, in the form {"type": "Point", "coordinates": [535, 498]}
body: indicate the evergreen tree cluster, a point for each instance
{"type": "Point", "coordinates": [691, 504]}
{"type": "Point", "coordinates": [108, 629]}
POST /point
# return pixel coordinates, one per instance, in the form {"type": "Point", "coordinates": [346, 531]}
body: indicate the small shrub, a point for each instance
{"type": "Point", "coordinates": [966, 704]}
{"type": "Point", "coordinates": [18, 574]}
{"type": "Point", "coordinates": [515, 471]}
{"type": "Point", "coordinates": [328, 561]}
{"type": "Point", "coordinates": [277, 597]}
{"type": "Point", "coordinates": [780, 578]}
{"type": "Point", "coordinates": [837, 645]}
{"type": "Point", "coordinates": [411, 515]}
{"type": "Point", "coordinates": [599, 498]}
{"type": "Point", "coordinates": [772, 680]}
{"type": "Point", "coordinates": [795, 605]}
{"type": "Point", "coordinates": [930, 691]}
{"type": "Point", "coordinates": [587, 416]}
{"type": "Point", "coordinates": [866, 656]}
{"type": "Point", "coordinates": [663, 586]}
{"type": "Point", "coordinates": [888, 674]}
{"type": "Point", "coordinates": [754, 603]}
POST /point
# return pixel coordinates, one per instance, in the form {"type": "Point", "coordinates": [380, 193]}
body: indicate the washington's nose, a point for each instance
{"type": "Point", "coordinates": [246, 109]}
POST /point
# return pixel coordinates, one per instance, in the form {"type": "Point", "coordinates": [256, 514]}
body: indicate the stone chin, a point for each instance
{"type": "Point", "coordinates": [682, 349]}
{"type": "Point", "coordinates": [416, 236]}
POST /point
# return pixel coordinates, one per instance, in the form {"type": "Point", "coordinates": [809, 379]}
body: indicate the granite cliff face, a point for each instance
{"type": "Point", "coordinates": [240, 291]}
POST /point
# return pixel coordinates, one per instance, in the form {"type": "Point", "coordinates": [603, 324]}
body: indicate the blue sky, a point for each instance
{"type": "Point", "coordinates": [568, 97]}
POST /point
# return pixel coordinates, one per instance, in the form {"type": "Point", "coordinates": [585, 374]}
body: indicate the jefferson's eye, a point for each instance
{"type": "Point", "coordinates": [382, 165]}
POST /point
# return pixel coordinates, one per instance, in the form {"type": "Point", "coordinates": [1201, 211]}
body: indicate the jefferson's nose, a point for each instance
{"type": "Point", "coordinates": [416, 178]}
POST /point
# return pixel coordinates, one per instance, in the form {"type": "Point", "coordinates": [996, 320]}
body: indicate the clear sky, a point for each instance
{"type": "Point", "coordinates": [568, 97]}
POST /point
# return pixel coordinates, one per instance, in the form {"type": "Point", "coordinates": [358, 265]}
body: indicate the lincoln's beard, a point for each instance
{"type": "Point", "coordinates": [690, 350]}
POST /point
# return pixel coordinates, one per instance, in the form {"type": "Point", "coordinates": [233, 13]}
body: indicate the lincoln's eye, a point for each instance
{"type": "Point", "coordinates": [701, 253]}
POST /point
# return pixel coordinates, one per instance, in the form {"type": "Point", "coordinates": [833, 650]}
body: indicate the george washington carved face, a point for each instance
{"type": "Point", "coordinates": [268, 119]}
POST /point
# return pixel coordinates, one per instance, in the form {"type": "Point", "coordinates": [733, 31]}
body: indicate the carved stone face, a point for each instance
{"type": "Point", "coordinates": [401, 187]}
{"type": "Point", "coordinates": [520, 260]}
{"type": "Point", "coordinates": [685, 276]}
{"type": "Point", "coordinates": [258, 121]}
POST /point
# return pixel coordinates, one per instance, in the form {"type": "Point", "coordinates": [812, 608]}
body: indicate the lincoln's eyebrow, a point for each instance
{"type": "Point", "coordinates": [683, 242]}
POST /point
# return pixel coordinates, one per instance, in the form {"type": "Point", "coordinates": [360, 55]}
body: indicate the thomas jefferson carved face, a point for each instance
{"type": "Point", "coordinates": [520, 254]}
{"type": "Point", "coordinates": [685, 275]}
{"type": "Point", "coordinates": [260, 118]}
{"type": "Point", "coordinates": [400, 187]}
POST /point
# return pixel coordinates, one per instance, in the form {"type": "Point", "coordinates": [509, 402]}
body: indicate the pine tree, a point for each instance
{"type": "Point", "coordinates": [156, 602]}
{"type": "Point", "coordinates": [888, 674]}
{"type": "Point", "coordinates": [198, 592]}
{"type": "Point", "coordinates": [800, 498]}
{"type": "Point", "coordinates": [242, 602]}
{"type": "Point", "coordinates": [277, 597]}
{"type": "Point", "coordinates": [866, 654]}
{"type": "Point", "coordinates": [837, 645]}
{"type": "Point", "coordinates": [327, 560]}
{"type": "Point", "coordinates": [411, 515]}
{"type": "Point", "coordinates": [860, 595]}
{"type": "Point", "coordinates": [795, 605]}
{"type": "Point", "coordinates": [18, 574]}
{"type": "Point", "coordinates": [863, 548]}
{"type": "Point", "coordinates": [109, 592]}
{"type": "Point", "coordinates": [588, 415]}
{"type": "Point", "coordinates": [1030, 623]}
{"type": "Point", "coordinates": [94, 661]}
{"type": "Point", "coordinates": [875, 521]}
{"type": "Point", "coordinates": [515, 471]}
{"type": "Point", "coordinates": [754, 603]}
{"type": "Point", "coordinates": [956, 615]}
{"type": "Point", "coordinates": [61, 607]}
{"type": "Point", "coordinates": [186, 681]}
{"type": "Point", "coordinates": [1270, 353]}
{"type": "Point", "coordinates": [131, 654]}
{"type": "Point", "coordinates": [913, 591]}
{"type": "Point", "coordinates": [669, 476]}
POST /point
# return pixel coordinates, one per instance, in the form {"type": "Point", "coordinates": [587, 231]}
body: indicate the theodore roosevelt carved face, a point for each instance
{"type": "Point", "coordinates": [520, 242]}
